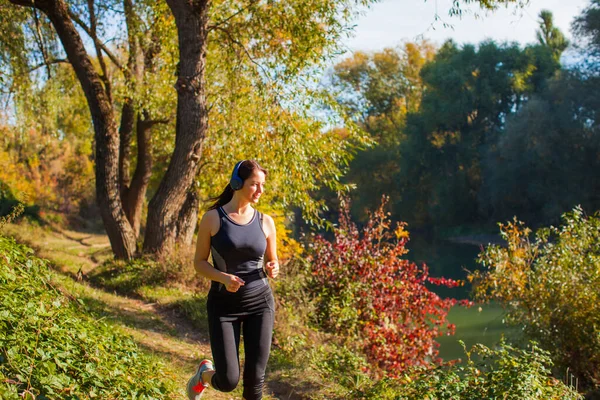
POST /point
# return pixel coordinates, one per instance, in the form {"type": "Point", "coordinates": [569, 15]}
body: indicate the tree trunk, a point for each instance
{"type": "Point", "coordinates": [188, 218]}
{"type": "Point", "coordinates": [134, 200]}
{"type": "Point", "coordinates": [164, 210]}
{"type": "Point", "coordinates": [133, 190]}
{"type": "Point", "coordinates": [117, 227]}
{"type": "Point", "coordinates": [125, 134]}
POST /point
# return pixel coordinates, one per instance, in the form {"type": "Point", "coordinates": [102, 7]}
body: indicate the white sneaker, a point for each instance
{"type": "Point", "coordinates": [195, 386]}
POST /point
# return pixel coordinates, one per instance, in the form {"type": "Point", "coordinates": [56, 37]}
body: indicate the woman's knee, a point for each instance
{"type": "Point", "coordinates": [225, 382]}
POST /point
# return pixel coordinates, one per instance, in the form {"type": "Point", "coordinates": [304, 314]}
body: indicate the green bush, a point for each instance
{"type": "Point", "coordinates": [505, 373]}
{"type": "Point", "coordinates": [551, 285]}
{"type": "Point", "coordinates": [51, 349]}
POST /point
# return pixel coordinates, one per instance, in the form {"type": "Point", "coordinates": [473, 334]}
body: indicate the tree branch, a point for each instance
{"type": "Point", "coordinates": [25, 3]}
{"type": "Point", "coordinates": [133, 65]}
{"type": "Point", "coordinates": [237, 42]}
{"type": "Point", "coordinates": [40, 41]}
{"type": "Point", "coordinates": [97, 41]}
{"type": "Point", "coordinates": [48, 62]}
{"type": "Point", "coordinates": [218, 24]}
{"type": "Point", "coordinates": [275, 97]}
{"type": "Point", "coordinates": [153, 122]}
{"type": "Point", "coordinates": [104, 77]}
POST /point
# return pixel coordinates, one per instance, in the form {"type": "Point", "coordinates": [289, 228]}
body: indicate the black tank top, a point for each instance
{"type": "Point", "coordinates": [239, 250]}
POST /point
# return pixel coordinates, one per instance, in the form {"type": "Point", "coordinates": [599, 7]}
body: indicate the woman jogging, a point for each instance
{"type": "Point", "coordinates": [242, 242]}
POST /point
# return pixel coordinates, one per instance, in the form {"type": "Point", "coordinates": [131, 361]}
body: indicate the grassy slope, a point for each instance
{"type": "Point", "coordinates": [153, 326]}
{"type": "Point", "coordinates": [53, 347]}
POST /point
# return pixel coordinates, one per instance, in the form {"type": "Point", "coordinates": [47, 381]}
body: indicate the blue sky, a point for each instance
{"type": "Point", "coordinates": [389, 22]}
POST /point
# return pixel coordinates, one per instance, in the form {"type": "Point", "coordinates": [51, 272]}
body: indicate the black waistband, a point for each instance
{"type": "Point", "coordinates": [253, 276]}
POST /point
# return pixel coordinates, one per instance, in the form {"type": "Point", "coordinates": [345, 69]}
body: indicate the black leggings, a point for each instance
{"type": "Point", "coordinates": [227, 318]}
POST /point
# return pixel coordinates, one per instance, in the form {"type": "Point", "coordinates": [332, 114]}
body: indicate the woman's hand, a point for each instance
{"type": "Point", "coordinates": [272, 268]}
{"type": "Point", "coordinates": [233, 283]}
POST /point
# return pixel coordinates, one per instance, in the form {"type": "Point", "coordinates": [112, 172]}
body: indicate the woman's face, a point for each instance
{"type": "Point", "coordinates": [254, 186]}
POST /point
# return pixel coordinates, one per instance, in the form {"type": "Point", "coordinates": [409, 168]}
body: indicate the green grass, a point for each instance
{"type": "Point", "coordinates": [52, 346]}
{"type": "Point", "coordinates": [478, 324]}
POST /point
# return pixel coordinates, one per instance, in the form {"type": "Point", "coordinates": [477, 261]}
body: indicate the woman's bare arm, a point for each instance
{"type": "Point", "coordinates": [272, 265]}
{"type": "Point", "coordinates": [209, 225]}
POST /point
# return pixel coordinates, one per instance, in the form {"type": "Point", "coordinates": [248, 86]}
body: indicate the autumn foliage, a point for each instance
{"type": "Point", "coordinates": [362, 287]}
{"type": "Point", "coordinates": [52, 173]}
{"type": "Point", "coordinates": [549, 284]}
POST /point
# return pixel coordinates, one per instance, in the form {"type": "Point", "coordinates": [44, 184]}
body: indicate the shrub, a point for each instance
{"type": "Point", "coordinates": [362, 287]}
{"type": "Point", "coordinates": [550, 284]}
{"type": "Point", "coordinates": [8, 202]}
{"type": "Point", "coordinates": [52, 173]}
{"type": "Point", "coordinates": [15, 212]}
{"type": "Point", "coordinates": [51, 348]}
{"type": "Point", "coordinates": [504, 373]}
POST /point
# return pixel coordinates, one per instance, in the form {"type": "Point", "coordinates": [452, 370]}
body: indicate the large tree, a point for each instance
{"type": "Point", "coordinates": [379, 90]}
{"type": "Point", "coordinates": [469, 94]}
{"type": "Point", "coordinates": [546, 162]}
{"type": "Point", "coordinates": [277, 39]}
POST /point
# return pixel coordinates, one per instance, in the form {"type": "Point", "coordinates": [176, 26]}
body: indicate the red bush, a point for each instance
{"type": "Point", "coordinates": [363, 287]}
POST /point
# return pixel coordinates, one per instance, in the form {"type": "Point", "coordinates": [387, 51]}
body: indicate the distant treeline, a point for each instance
{"type": "Point", "coordinates": [468, 135]}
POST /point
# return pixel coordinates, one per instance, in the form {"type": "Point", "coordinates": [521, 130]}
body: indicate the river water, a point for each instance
{"type": "Point", "coordinates": [482, 323]}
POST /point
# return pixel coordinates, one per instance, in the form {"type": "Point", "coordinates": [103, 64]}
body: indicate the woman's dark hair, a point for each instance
{"type": "Point", "coordinates": [244, 172]}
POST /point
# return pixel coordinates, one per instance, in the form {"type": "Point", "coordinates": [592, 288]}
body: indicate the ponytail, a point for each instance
{"type": "Point", "coordinates": [222, 199]}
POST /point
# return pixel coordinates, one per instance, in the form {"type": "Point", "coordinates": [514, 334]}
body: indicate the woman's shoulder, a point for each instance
{"type": "Point", "coordinates": [267, 217]}
{"type": "Point", "coordinates": [211, 221]}
{"type": "Point", "coordinates": [211, 214]}
{"type": "Point", "coordinates": [267, 220]}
